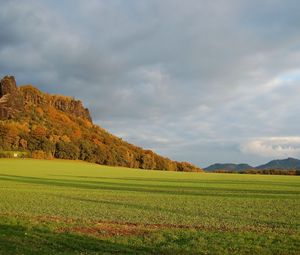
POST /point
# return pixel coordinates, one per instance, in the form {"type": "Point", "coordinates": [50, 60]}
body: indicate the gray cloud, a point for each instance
{"type": "Point", "coordinates": [194, 80]}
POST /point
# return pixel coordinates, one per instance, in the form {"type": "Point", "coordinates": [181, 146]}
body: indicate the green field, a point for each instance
{"type": "Point", "coordinates": [65, 207]}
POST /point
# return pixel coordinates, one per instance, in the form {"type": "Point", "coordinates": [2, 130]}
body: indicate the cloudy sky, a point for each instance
{"type": "Point", "coordinates": [195, 80]}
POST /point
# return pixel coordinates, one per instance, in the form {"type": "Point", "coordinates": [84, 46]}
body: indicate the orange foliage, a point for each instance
{"type": "Point", "coordinates": [39, 131]}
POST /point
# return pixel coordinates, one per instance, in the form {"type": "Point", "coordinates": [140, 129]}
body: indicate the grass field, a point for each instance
{"type": "Point", "coordinates": [65, 207]}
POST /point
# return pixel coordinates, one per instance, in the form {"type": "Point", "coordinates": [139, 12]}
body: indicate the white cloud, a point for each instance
{"type": "Point", "coordinates": [278, 147]}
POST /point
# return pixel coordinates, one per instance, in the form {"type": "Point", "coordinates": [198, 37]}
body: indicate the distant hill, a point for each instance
{"type": "Point", "coordinates": [56, 126]}
{"type": "Point", "coordinates": [228, 167]}
{"type": "Point", "coordinates": [288, 164]}
{"type": "Point", "coordinates": [283, 164]}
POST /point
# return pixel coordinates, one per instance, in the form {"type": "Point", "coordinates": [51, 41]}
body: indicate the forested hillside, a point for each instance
{"type": "Point", "coordinates": [52, 126]}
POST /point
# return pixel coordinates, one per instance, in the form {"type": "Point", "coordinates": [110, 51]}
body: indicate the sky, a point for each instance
{"type": "Point", "coordinates": [194, 80]}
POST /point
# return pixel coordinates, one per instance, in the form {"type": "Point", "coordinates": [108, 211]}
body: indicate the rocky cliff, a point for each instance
{"type": "Point", "coordinates": [14, 100]}
{"type": "Point", "coordinates": [11, 99]}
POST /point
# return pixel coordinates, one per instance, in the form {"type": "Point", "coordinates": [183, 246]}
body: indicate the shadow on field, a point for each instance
{"type": "Point", "coordinates": [126, 205]}
{"type": "Point", "coordinates": [21, 240]}
{"type": "Point", "coordinates": [157, 188]}
{"type": "Point", "coordinates": [191, 181]}
{"type": "Point", "coordinates": [116, 203]}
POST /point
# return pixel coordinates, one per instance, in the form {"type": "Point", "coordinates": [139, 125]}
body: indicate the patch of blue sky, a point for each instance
{"type": "Point", "coordinates": [291, 76]}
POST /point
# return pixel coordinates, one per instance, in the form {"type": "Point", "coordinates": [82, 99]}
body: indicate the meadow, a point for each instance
{"type": "Point", "coordinates": [73, 207]}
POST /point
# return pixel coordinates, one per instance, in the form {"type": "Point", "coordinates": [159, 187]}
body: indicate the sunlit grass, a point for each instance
{"type": "Point", "coordinates": [229, 206]}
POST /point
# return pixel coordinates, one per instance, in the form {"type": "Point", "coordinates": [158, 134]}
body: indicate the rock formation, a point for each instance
{"type": "Point", "coordinates": [11, 100]}
{"type": "Point", "coordinates": [14, 99]}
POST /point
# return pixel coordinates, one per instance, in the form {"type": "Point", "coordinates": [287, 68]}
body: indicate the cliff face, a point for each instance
{"type": "Point", "coordinates": [71, 106]}
{"type": "Point", "coordinates": [8, 86]}
{"type": "Point", "coordinates": [14, 100]}
{"type": "Point", "coordinates": [11, 100]}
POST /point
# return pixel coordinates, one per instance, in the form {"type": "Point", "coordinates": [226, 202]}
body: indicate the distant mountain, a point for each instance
{"type": "Point", "coordinates": [228, 167]}
{"type": "Point", "coordinates": [283, 164]}
{"type": "Point", "coordinates": [288, 164]}
{"type": "Point", "coordinates": [41, 125]}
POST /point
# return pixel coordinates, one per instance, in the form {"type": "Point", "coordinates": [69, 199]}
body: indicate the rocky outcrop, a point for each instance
{"type": "Point", "coordinates": [71, 106]}
{"type": "Point", "coordinates": [8, 86]}
{"type": "Point", "coordinates": [32, 96]}
{"type": "Point", "coordinates": [13, 100]}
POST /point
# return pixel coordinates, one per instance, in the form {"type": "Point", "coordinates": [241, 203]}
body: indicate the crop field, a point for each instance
{"type": "Point", "coordinates": [70, 207]}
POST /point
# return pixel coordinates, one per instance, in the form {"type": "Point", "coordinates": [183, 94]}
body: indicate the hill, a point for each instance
{"type": "Point", "coordinates": [228, 167]}
{"type": "Point", "coordinates": [284, 166]}
{"type": "Point", "coordinates": [288, 164]}
{"type": "Point", "coordinates": [56, 126]}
